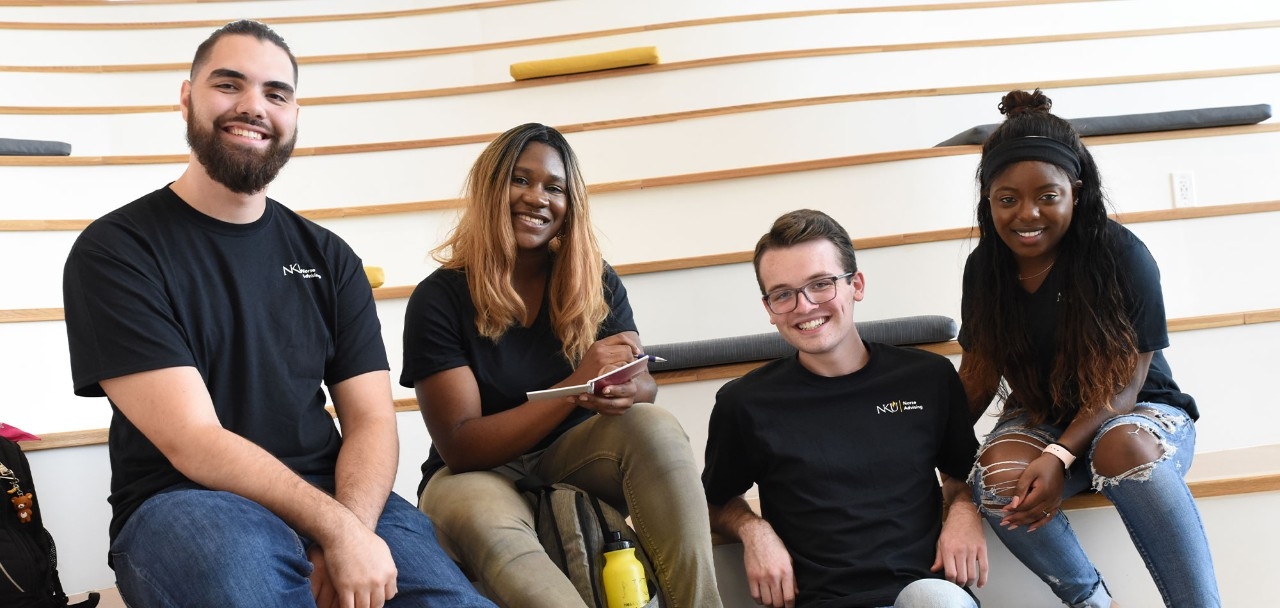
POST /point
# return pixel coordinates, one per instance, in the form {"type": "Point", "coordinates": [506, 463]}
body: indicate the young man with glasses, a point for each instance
{"type": "Point", "coordinates": [843, 440]}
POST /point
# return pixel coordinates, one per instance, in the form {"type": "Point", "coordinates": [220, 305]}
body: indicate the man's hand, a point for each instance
{"type": "Point", "coordinates": [769, 574]}
{"type": "Point", "coordinates": [962, 546]}
{"type": "Point", "coordinates": [358, 571]}
{"type": "Point", "coordinates": [321, 589]}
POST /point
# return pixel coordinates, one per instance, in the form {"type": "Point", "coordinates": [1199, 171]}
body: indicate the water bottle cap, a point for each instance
{"type": "Point", "coordinates": [616, 542]}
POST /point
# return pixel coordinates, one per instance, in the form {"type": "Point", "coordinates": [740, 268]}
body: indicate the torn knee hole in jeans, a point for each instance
{"type": "Point", "coordinates": [1000, 478]}
{"type": "Point", "coordinates": [1166, 421]}
{"type": "Point", "coordinates": [1143, 471]}
{"type": "Point", "coordinates": [997, 494]}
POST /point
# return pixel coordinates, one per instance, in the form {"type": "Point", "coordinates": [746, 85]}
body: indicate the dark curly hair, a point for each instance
{"type": "Point", "coordinates": [1096, 343]}
{"type": "Point", "coordinates": [243, 27]}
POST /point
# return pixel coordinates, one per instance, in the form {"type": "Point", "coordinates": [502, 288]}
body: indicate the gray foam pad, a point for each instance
{"type": "Point", "coordinates": [1139, 123]}
{"type": "Point", "coordinates": [901, 331]}
{"type": "Point", "coordinates": [33, 147]}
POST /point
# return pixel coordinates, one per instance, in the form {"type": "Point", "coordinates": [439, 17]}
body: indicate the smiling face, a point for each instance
{"type": "Point", "coordinates": [1031, 208]}
{"type": "Point", "coordinates": [823, 333]}
{"type": "Point", "coordinates": [537, 195]}
{"type": "Point", "coordinates": [241, 113]}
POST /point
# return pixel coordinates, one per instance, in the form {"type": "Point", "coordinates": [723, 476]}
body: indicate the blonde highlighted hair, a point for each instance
{"type": "Point", "coordinates": [483, 245]}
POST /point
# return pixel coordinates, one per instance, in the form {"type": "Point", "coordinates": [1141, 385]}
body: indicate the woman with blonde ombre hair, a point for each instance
{"type": "Point", "coordinates": [523, 302]}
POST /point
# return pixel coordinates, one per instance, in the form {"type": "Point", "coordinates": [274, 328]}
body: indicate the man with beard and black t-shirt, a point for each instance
{"type": "Point", "coordinates": [211, 316]}
{"type": "Point", "coordinates": [845, 440]}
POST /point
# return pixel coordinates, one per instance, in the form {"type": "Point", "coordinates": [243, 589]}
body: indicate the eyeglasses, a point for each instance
{"type": "Point", "coordinates": [817, 291]}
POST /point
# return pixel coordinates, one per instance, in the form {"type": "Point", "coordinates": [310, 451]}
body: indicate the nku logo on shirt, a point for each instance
{"type": "Point", "coordinates": [295, 268]}
{"type": "Point", "coordinates": [894, 407]}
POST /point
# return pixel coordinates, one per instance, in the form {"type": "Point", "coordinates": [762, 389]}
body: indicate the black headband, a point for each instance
{"type": "Point", "coordinates": [1032, 147]}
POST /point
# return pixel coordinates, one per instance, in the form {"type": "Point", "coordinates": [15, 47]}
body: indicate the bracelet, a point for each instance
{"type": "Point", "coordinates": [1061, 453]}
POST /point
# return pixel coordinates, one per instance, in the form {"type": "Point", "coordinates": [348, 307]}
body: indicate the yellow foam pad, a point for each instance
{"type": "Point", "coordinates": [625, 58]}
{"type": "Point", "coordinates": [376, 276]}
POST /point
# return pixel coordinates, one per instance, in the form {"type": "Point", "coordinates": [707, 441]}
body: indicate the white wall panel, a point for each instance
{"type": "Point", "coordinates": [846, 128]}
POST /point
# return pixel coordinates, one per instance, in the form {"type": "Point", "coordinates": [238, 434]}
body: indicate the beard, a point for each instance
{"type": "Point", "coordinates": [241, 169]}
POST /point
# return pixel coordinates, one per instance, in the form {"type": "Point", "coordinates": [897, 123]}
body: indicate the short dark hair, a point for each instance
{"type": "Point", "coordinates": [243, 27]}
{"type": "Point", "coordinates": [802, 226]}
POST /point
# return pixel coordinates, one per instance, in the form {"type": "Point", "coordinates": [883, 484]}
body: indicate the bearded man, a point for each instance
{"type": "Point", "coordinates": [210, 316]}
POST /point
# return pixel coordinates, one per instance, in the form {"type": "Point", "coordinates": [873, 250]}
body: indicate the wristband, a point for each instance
{"type": "Point", "coordinates": [1061, 453]}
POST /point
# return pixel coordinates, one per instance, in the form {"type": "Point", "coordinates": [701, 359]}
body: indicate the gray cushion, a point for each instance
{"type": "Point", "coordinates": [33, 147]}
{"type": "Point", "coordinates": [1140, 123]}
{"type": "Point", "coordinates": [758, 347]}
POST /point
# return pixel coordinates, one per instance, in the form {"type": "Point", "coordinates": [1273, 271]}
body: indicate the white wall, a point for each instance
{"type": "Point", "coordinates": [1210, 265]}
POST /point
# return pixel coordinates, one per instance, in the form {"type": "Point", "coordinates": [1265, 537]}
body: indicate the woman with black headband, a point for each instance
{"type": "Point", "coordinates": [1065, 306]}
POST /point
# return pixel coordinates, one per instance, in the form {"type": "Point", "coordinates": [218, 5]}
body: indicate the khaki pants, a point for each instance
{"type": "Point", "coordinates": [640, 463]}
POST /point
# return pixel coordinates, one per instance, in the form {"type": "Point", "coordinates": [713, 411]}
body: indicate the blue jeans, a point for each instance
{"type": "Point", "coordinates": [1153, 501]}
{"type": "Point", "coordinates": [189, 546]}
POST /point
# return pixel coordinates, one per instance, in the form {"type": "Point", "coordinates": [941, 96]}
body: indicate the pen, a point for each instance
{"type": "Point", "coordinates": [652, 358]}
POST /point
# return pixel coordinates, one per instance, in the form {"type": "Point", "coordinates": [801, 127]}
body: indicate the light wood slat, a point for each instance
{"type": "Point", "coordinates": [651, 182]}
{"type": "Point", "coordinates": [436, 205]}
{"type": "Point", "coordinates": [471, 48]}
{"type": "Point", "coordinates": [392, 293]}
{"type": "Point", "coordinates": [1185, 213]}
{"type": "Point", "coordinates": [21, 25]}
{"type": "Point", "coordinates": [714, 372]}
{"type": "Point", "coordinates": [1261, 482]}
{"type": "Point", "coordinates": [1224, 320]}
{"type": "Point", "coordinates": [403, 291]}
{"type": "Point", "coordinates": [664, 67]}
{"type": "Point", "coordinates": [1262, 316]}
{"type": "Point", "coordinates": [709, 112]}
{"type": "Point", "coordinates": [711, 61]}
{"type": "Point", "coordinates": [934, 236]}
{"type": "Point", "coordinates": [29, 315]}
{"type": "Point", "coordinates": [738, 257]}
{"type": "Point", "coordinates": [406, 405]}
{"type": "Point", "coordinates": [216, 23]}
{"type": "Point", "coordinates": [42, 225]}
{"type": "Point", "coordinates": [67, 439]}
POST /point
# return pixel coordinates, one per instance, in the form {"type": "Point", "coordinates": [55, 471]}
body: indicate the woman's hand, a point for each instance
{"type": "Point", "coordinates": [617, 399]}
{"type": "Point", "coordinates": [608, 354]}
{"type": "Point", "coordinates": [1038, 494]}
{"type": "Point", "coordinates": [604, 355]}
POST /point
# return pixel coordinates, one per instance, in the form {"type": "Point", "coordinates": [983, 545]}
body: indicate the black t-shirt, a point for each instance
{"type": "Point", "coordinates": [266, 311]}
{"type": "Point", "coordinates": [440, 333]}
{"type": "Point", "coordinates": [845, 467]}
{"type": "Point", "coordinates": [1144, 300]}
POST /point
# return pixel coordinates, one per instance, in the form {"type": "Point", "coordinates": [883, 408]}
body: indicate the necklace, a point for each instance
{"type": "Point", "coordinates": [1046, 269]}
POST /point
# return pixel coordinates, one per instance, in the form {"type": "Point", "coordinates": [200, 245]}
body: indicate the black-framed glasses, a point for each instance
{"type": "Point", "coordinates": [817, 291]}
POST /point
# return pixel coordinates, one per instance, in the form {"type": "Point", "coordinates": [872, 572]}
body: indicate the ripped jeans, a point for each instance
{"type": "Point", "coordinates": [1153, 501]}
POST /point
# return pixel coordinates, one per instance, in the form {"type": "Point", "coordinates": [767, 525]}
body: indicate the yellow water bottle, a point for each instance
{"type": "Point", "coordinates": [625, 585]}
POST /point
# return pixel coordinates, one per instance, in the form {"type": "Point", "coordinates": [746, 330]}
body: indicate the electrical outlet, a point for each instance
{"type": "Point", "coordinates": [1184, 188]}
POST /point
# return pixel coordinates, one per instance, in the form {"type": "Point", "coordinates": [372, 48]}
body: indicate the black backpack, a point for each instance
{"type": "Point", "coordinates": [28, 558]}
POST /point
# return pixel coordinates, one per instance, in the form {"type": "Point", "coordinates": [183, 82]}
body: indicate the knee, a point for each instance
{"type": "Point", "coordinates": [1126, 449]}
{"type": "Point", "coordinates": [932, 593]}
{"type": "Point", "coordinates": [472, 509]}
{"type": "Point", "coordinates": [1001, 463]}
{"type": "Point", "coordinates": [215, 540]}
{"type": "Point", "coordinates": [652, 426]}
